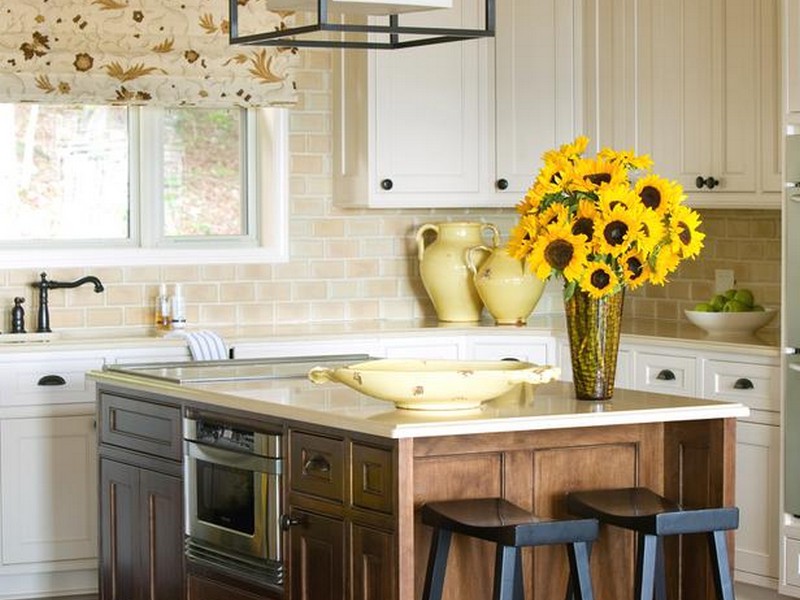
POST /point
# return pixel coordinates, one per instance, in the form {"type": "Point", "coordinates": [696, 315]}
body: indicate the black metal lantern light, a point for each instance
{"type": "Point", "coordinates": [358, 28]}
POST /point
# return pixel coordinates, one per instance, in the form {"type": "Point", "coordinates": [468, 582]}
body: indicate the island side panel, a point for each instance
{"type": "Point", "coordinates": [534, 469]}
{"type": "Point", "coordinates": [699, 458]}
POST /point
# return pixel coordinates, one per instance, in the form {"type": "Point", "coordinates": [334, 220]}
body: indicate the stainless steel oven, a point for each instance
{"type": "Point", "coordinates": [233, 491]}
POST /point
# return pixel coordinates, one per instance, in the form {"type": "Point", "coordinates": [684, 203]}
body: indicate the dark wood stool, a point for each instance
{"type": "Point", "coordinates": [511, 528]}
{"type": "Point", "coordinates": [652, 517]}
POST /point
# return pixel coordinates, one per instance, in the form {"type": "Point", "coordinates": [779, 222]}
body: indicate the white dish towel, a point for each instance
{"type": "Point", "coordinates": [204, 344]}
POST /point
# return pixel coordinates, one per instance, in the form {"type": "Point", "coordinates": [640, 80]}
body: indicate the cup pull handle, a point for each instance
{"type": "Point", "coordinates": [317, 463]}
{"type": "Point", "coordinates": [743, 383]}
{"type": "Point", "coordinates": [666, 375]}
{"type": "Point", "coordinates": [51, 380]}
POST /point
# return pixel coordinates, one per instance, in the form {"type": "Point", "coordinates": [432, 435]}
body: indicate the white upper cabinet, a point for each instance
{"type": "Point", "coordinates": [792, 35]}
{"type": "Point", "coordinates": [707, 107]}
{"type": "Point", "coordinates": [441, 126]}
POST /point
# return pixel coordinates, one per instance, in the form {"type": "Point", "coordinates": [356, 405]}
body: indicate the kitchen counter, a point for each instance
{"type": "Point", "coordinates": [526, 408]}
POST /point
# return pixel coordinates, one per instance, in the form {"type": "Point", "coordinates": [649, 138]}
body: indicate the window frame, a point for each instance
{"type": "Point", "coordinates": [268, 190]}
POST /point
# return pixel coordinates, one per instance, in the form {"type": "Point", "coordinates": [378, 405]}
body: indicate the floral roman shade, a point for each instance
{"type": "Point", "coordinates": [164, 52]}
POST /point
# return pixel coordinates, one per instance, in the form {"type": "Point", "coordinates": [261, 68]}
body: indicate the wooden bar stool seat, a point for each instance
{"type": "Point", "coordinates": [652, 517]}
{"type": "Point", "coordinates": [510, 528]}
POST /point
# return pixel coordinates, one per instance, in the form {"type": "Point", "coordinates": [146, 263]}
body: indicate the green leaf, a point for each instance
{"type": "Point", "coordinates": [569, 289]}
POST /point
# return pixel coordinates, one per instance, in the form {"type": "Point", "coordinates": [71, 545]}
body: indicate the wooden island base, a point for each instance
{"type": "Point", "coordinates": [691, 462]}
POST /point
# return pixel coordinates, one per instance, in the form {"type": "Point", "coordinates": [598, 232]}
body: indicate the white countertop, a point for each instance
{"type": "Point", "coordinates": [550, 406]}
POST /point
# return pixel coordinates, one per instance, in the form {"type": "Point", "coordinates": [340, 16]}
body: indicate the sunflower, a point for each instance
{"type": "Point", "coordinates": [557, 249]}
{"type": "Point", "coordinates": [635, 270]}
{"type": "Point", "coordinates": [616, 230]}
{"type": "Point", "coordinates": [666, 261]}
{"type": "Point", "coordinates": [651, 230]}
{"type": "Point", "coordinates": [687, 240]}
{"type": "Point", "coordinates": [626, 158]}
{"type": "Point", "coordinates": [599, 280]}
{"type": "Point", "coordinates": [657, 193]}
{"type": "Point", "coordinates": [530, 203]}
{"type": "Point", "coordinates": [555, 213]}
{"type": "Point", "coordinates": [592, 175]}
{"type": "Point", "coordinates": [584, 219]}
{"type": "Point", "coordinates": [554, 176]}
{"type": "Point", "coordinates": [613, 196]}
{"type": "Point", "coordinates": [523, 236]}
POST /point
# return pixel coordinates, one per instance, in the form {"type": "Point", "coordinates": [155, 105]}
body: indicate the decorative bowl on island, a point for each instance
{"type": "Point", "coordinates": [730, 323]}
{"type": "Point", "coordinates": [435, 384]}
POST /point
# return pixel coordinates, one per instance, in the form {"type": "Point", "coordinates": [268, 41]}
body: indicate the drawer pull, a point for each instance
{"type": "Point", "coordinates": [743, 384]}
{"type": "Point", "coordinates": [317, 463]}
{"type": "Point", "coordinates": [666, 375]}
{"type": "Point", "coordinates": [51, 380]}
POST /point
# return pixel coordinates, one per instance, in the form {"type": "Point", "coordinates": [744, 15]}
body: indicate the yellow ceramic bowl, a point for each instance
{"type": "Point", "coordinates": [435, 384]}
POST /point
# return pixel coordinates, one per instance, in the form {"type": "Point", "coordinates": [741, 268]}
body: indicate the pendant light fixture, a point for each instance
{"type": "Point", "coordinates": [358, 24]}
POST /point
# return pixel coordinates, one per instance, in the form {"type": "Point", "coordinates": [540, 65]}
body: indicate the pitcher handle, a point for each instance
{"type": "Point", "coordinates": [421, 241]}
{"type": "Point", "coordinates": [495, 233]}
{"type": "Point", "coordinates": [470, 260]}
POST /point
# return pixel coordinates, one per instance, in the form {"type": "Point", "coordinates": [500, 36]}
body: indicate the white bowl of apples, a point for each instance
{"type": "Point", "coordinates": [734, 312]}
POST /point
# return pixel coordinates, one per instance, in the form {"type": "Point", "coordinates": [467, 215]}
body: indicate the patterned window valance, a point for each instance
{"type": "Point", "coordinates": [163, 52]}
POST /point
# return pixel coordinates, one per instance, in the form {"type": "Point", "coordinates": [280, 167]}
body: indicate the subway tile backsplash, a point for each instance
{"type": "Point", "coordinates": [360, 264]}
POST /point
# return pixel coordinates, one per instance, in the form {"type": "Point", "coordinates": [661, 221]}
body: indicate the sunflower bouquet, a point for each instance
{"type": "Point", "coordinates": [584, 219]}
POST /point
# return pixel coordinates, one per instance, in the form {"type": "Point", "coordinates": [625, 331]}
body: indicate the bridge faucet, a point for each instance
{"type": "Point", "coordinates": [44, 285]}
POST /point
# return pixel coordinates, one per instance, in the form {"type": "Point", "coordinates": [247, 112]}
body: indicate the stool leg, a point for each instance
{"type": "Point", "coordinates": [437, 563]}
{"type": "Point", "coordinates": [661, 571]}
{"type": "Point", "coordinates": [719, 561]}
{"type": "Point", "coordinates": [645, 567]}
{"type": "Point", "coordinates": [580, 576]}
{"type": "Point", "coordinates": [505, 567]}
{"type": "Point", "coordinates": [519, 585]}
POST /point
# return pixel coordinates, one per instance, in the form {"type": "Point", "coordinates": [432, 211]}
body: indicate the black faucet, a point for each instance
{"type": "Point", "coordinates": [43, 285]}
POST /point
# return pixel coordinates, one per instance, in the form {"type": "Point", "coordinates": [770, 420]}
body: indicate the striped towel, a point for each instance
{"type": "Point", "coordinates": [204, 344]}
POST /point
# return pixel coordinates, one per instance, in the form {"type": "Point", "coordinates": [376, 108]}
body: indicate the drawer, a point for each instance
{"type": "Point", "coordinates": [49, 381]}
{"type": "Point", "coordinates": [756, 386]}
{"type": "Point", "coordinates": [666, 374]}
{"type": "Point", "coordinates": [373, 478]}
{"type": "Point", "coordinates": [141, 426]}
{"type": "Point", "coordinates": [317, 465]}
{"type": "Point", "coordinates": [792, 562]}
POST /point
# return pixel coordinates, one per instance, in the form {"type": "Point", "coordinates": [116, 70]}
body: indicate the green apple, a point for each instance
{"type": "Point", "coordinates": [729, 294]}
{"type": "Point", "coordinates": [717, 302]}
{"type": "Point", "coordinates": [704, 307]}
{"type": "Point", "coordinates": [745, 297]}
{"type": "Point", "coordinates": [735, 306]}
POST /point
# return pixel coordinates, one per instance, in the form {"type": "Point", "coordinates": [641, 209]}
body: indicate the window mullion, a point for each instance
{"type": "Point", "coordinates": [151, 176]}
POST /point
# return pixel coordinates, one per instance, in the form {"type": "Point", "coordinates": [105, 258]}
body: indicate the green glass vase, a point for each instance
{"type": "Point", "coordinates": [593, 327]}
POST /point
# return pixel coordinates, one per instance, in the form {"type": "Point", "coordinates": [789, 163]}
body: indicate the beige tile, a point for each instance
{"type": "Point", "coordinates": [217, 314]}
{"type": "Point", "coordinates": [138, 316]}
{"type": "Point", "coordinates": [218, 272]}
{"type": "Point", "coordinates": [104, 317]}
{"type": "Point", "coordinates": [206, 292]}
{"type": "Point", "coordinates": [272, 291]}
{"type": "Point", "coordinates": [307, 291]}
{"type": "Point", "coordinates": [366, 267]}
{"type": "Point", "coordinates": [64, 318]}
{"type": "Point", "coordinates": [329, 311]}
{"type": "Point", "coordinates": [327, 269]}
{"type": "Point", "coordinates": [254, 272]}
{"type": "Point", "coordinates": [125, 295]}
{"type": "Point", "coordinates": [292, 312]}
{"type": "Point", "coordinates": [180, 273]}
{"type": "Point", "coordinates": [237, 292]}
{"type": "Point", "coordinates": [329, 228]}
{"type": "Point", "coordinates": [380, 288]}
{"type": "Point", "coordinates": [257, 314]}
{"type": "Point", "coordinates": [341, 249]}
{"type": "Point", "coordinates": [363, 310]}
{"type": "Point", "coordinates": [149, 274]}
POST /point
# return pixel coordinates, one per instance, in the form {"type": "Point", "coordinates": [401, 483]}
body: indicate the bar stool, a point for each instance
{"type": "Point", "coordinates": [511, 528]}
{"type": "Point", "coordinates": [652, 517]}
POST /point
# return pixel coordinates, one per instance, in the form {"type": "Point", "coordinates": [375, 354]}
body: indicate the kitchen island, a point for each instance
{"type": "Point", "coordinates": [351, 525]}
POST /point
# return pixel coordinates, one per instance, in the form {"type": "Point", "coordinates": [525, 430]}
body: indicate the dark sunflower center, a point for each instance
{"type": "Point", "coordinates": [634, 266]}
{"type": "Point", "coordinates": [598, 178]}
{"type": "Point", "coordinates": [585, 226]}
{"type": "Point", "coordinates": [614, 233]}
{"type": "Point", "coordinates": [600, 279]}
{"type": "Point", "coordinates": [684, 234]}
{"type": "Point", "coordinates": [651, 197]}
{"type": "Point", "coordinates": [559, 254]}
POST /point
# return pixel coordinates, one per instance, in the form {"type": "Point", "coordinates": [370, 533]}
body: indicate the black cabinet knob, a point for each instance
{"type": "Point", "coordinates": [708, 182]}
{"type": "Point", "coordinates": [287, 522]}
{"type": "Point", "coordinates": [502, 184]}
{"type": "Point", "coordinates": [387, 184]}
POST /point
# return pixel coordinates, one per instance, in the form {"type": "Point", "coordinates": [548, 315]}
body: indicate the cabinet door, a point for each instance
{"type": "Point", "coordinates": [537, 102]}
{"type": "Point", "coordinates": [119, 528]}
{"type": "Point", "coordinates": [430, 107]}
{"type": "Point", "coordinates": [199, 587]}
{"type": "Point", "coordinates": [317, 557]}
{"type": "Point", "coordinates": [49, 501]}
{"type": "Point", "coordinates": [757, 484]}
{"type": "Point", "coordinates": [373, 564]}
{"type": "Point", "coordinates": [161, 535]}
{"type": "Point", "coordinates": [699, 77]}
{"type": "Point", "coordinates": [792, 29]}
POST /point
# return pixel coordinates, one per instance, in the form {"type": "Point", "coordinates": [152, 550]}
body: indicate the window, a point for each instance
{"type": "Point", "coordinates": [144, 184]}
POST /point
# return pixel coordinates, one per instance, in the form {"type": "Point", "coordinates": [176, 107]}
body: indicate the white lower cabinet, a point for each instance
{"type": "Point", "coordinates": [49, 491]}
{"type": "Point", "coordinates": [537, 350]}
{"type": "Point", "coordinates": [757, 485]}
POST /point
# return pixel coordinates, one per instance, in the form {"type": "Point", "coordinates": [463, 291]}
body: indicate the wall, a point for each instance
{"type": "Point", "coordinates": [349, 265]}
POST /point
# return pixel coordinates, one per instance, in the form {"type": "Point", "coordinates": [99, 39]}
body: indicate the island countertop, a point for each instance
{"type": "Point", "coordinates": [526, 408]}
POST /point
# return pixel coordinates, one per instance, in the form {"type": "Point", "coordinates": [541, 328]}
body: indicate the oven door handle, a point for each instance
{"type": "Point", "coordinates": [236, 460]}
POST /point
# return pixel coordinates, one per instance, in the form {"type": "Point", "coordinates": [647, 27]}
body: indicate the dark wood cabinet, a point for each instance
{"type": "Point", "coordinates": [341, 504]}
{"type": "Point", "coordinates": [317, 557]}
{"type": "Point", "coordinates": [141, 500]}
{"type": "Point", "coordinates": [214, 586]}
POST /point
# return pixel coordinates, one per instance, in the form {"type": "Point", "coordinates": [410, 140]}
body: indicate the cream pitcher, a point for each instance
{"type": "Point", "coordinates": [444, 271]}
{"type": "Point", "coordinates": [504, 283]}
